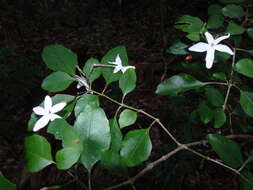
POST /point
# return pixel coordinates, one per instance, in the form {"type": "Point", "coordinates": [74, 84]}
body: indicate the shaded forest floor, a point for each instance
{"type": "Point", "coordinates": [136, 26]}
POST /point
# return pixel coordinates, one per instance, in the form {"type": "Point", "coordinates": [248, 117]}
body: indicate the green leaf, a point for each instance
{"type": "Point", "coordinates": [93, 128]}
{"type": "Point", "coordinates": [245, 67]}
{"type": "Point", "coordinates": [246, 101]}
{"type": "Point", "coordinates": [37, 153]}
{"type": "Point", "coordinates": [57, 81]}
{"type": "Point", "coordinates": [215, 21]}
{"type": "Point", "coordinates": [5, 184]}
{"type": "Point", "coordinates": [59, 58]}
{"type": "Point", "coordinates": [189, 24]}
{"type": "Point", "coordinates": [33, 119]}
{"type": "Point", "coordinates": [233, 11]}
{"type": "Point", "coordinates": [205, 113]}
{"type": "Point", "coordinates": [250, 51]}
{"type": "Point", "coordinates": [193, 36]}
{"type": "Point", "coordinates": [65, 132]}
{"type": "Point", "coordinates": [86, 101]}
{"type": "Point", "coordinates": [67, 157]}
{"type": "Point", "coordinates": [219, 117]}
{"type": "Point", "coordinates": [127, 81]}
{"type": "Point", "coordinates": [127, 117]}
{"type": "Point", "coordinates": [62, 98]}
{"type": "Point", "coordinates": [178, 83]}
{"type": "Point", "coordinates": [250, 33]}
{"type": "Point", "coordinates": [214, 96]}
{"type": "Point", "coordinates": [178, 48]}
{"type": "Point", "coordinates": [90, 71]}
{"type": "Point", "coordinates": [227, 150]}
{"type": "Point", "coordinates": [110, 56]}
{"type": "Point", "coordinates": [136, 147]}
{"type": "Point", "coordinates": [116, 135]}
{"type": "Point", "coordinates": [112, 161]}
{"type": "Point", "coordinates": [234, 29]}
{"type": "Point", "coordinates": [220, 75]}
{"type": "Point", "coordinates": [214, 9]}
{"type": "Point", "coordinates": [248, 183]}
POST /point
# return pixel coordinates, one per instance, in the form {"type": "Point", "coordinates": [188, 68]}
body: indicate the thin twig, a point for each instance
{"type": "Point", "coordinates": [230, 82]}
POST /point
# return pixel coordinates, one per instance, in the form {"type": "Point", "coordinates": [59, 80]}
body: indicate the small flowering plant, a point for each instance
{"type": "Point", "coordinates": [90, 136]}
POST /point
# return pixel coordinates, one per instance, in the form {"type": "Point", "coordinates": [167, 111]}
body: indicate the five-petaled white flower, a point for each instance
{"type": "Point", "coordinates": [210, 47]}
{"type": "Point", "coordinates": [118, 65]}
{"type": "Point", "coordinates": [48, 113]}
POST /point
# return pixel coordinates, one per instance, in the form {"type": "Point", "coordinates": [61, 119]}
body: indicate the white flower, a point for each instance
{"type": "Point", "coordinates": [210, 47]}
{"type": "Point", "coordinates": [48, 112]}
{"type": "Point", "coordinates": [118, 65]}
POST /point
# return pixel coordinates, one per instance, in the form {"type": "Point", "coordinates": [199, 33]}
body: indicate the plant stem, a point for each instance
{"type": "Point", "coordinates": [89, 180]}
{"type": "Point", "coordinates": [230, 82]}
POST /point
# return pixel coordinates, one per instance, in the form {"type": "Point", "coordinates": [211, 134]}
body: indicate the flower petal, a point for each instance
{"type": "Point", "coordinates": [199, 47]}
{"type": "Point", "coordinates": [218, 40]}
{"type": "Point", "coordinates": [58, 107]}
{"type": "Point", "coordinates": [127, 67]}
{"type": "Point", "coordinates": [118, 60]}
{"type": "Point", "coordinates": [47, 103]}
{"type": "Point", "coordinates": [39, 110]}
{"type": "Point", "coordinates": [116, 69]}
{"type": "Point", "coordinates": [224, 48]}
{"type": "Point", "coordinates": [209, 57]}
{"type": "Point", "coordinates": [53, 116]}
{"type": "Point", "coordinates": [42, 122]}
{"type": "Point", "coordinates": [209, 38]}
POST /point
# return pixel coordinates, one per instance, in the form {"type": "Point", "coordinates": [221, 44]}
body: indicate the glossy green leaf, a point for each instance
{"type": "Point", "coordinates": [214, 9]}
{"type": "Point", "coordinates": [5, 184]}
{"type": "Point", "coordinates": [250, 52]}
{"type": "Point", "coordinates": [178, 83]}
{"type": "Point", "coordinates": [214, 96]}
{"type": "Point", "coordinates": [93, 128]}
{"type": "Point", "coordinates": [178, 48]}
{"type": "Point", "coordinates": [110, 56]}
{"type": "Point", "coordinates": [112, 161]}
{"type": "Point", "coordinates": [227, 150]}
{"type": "Point", "coordinates": [116, 135]}
{"type": "Point", "coordinates": [67, 157]}
{"type": "Point", "coordinates": [127, 82]}
{"type": "Point", "coordinates": [92, 72]}
{"type": "Point", "coordinates": [86, 101]}
{"type": "Point", "coordinates": [220, 75]}
{"type": "Point", "coordinates": [62, 98]}
{"type": "Point", "coordinates": [205, 113]}
{"type": "Point", "coordinates": [57, 81]}
{"type": "Point", "coordinates": [136, 147]}
{"type": "Point", "coordinates": [233, 11]}
{"type": "Point", "coordinates": [65, 132]}
{"type": "Point", "coordinates": [245, 67]}
{"type": "Point", "coordinates": [193, 36]}
{"type": "Point", "coordinates": [59, 58]}
{"type": "Point", "coordinates": [215, 21]}
{"type": "Point", "coordinates": [246, 184]}
{"type": "Point", "coordinates": [219, 117]}
{"type": "Point", "coordinates": [33, 119]}
{"type": "Point", "coordinates": [250, 33]}
{"type": "Point", "coordinates": [234, 29]}
{"type": "Point", "coordinates": [127, 117]}
{"type": "Point", "coordinates": [37, 153]}
{"type": "Point", "coordinates": [246, 101]}
{"type": "Point", "coordinates": [189, 24]}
